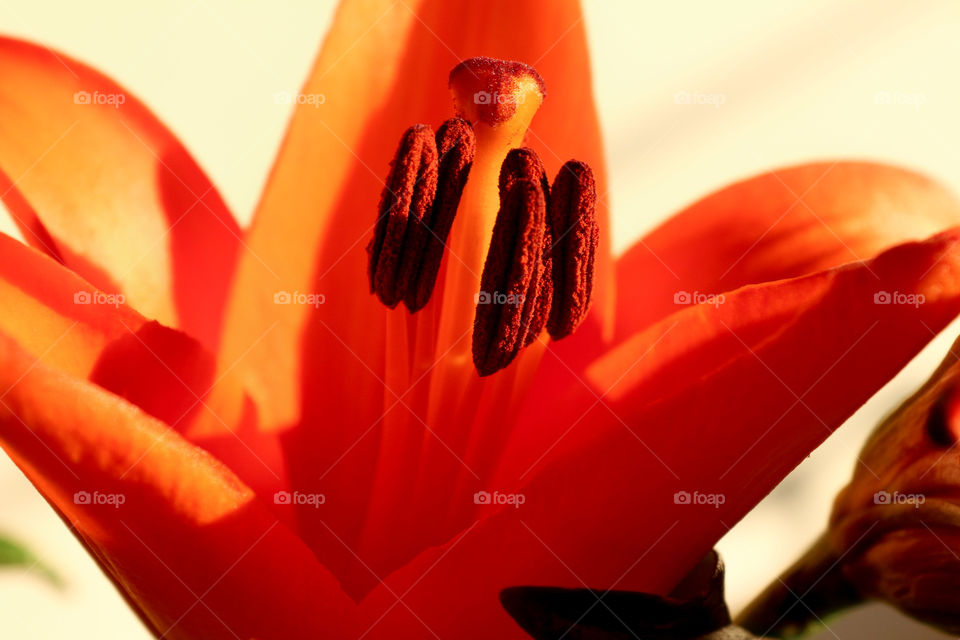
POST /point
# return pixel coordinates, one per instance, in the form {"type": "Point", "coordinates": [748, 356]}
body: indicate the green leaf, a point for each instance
{"type": "Point", "coordinates": [13, 554]}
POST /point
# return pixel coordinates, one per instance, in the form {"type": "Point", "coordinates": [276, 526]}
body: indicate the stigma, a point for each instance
{"type": "Point", "coordinates": [522, 249]}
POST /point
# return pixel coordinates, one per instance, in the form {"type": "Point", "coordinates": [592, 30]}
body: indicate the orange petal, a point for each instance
{"type": "Point", "coordinates": [183, 538]}
{"type": "Point", "coordinates": [721, 400]}
{"type": "Point", "coordinates": [72, 326]}
{"type": "Point", "coordinates": [94, 179]}
{"type": "Point", "coordinates": [780, 224]}
{"type": "Point", "coordinates": [383, 67]}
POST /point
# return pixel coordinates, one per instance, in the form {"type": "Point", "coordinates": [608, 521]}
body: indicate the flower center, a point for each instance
{"type": "Point", "coordinates": [484, 254]}
{"type": "Point", "coordinates": [521, 253]}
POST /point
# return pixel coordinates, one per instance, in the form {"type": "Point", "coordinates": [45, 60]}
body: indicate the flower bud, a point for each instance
{"type": "Point", "coordinates": [894, 534]}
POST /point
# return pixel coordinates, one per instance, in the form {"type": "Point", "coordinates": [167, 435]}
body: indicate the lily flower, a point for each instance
{"type": "Point", "coordinates": [893, 534]}
{"type": "Point", "coordinates": [252, 445]}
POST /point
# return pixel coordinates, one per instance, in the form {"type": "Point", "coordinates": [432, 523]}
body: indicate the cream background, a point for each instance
{"type": "Point", "coordinates": [799, 80]}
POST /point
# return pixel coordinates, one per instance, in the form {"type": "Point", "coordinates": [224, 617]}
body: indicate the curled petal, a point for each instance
{"type": "Point", "coordinates": [75, 327]}
{"type": "Point", "coordinates": [780, 224]}
{"type": "Point", "coordinates": [187, 543]}
{"type": "Point", "coordinates": [95, 180]}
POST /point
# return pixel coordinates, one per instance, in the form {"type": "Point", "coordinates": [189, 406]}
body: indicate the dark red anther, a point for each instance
{"type": "Point", "coordinates": [508, 304]}
{"type": "Point", "coordinates": [457, 146]}
{"type": "Point", "coordinates": [542, 290]}
{"type": "Point", "coordinates": [417, 207]}
{"type": "Point", "coordinates": [408, 193]}
{"type": "Point", "coordinates": [576, 234]}
{"type": "Point", "coordinates": [525, 164]}
{"type": "Point", "coordinates": [539, 268]}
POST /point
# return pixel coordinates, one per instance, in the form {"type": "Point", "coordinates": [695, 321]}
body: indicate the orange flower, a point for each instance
{"type": "Point", "coordinates": [312, 464]}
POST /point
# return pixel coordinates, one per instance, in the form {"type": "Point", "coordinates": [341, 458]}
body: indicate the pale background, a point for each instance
{"type": "Point", "coordinates": [798, 78]}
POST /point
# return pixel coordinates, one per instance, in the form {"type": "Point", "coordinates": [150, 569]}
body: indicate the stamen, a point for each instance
{"type": "Point", "coordinates": [409, 192]}
{"type": "Point", "coordinates": [508, 300]}
{"type": "Point", "coordinates": [456, 144]}
{"type": "Point", "coordinates": [524, 163]}
{"type": "Point", "coordinates": [538, 270]}
{"type": "Point", "coordinates": [541, 291]}
{"type": "Point", "coordinates": [576, 234]}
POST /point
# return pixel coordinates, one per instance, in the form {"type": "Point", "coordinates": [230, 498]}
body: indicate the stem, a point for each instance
{"type": "Point", "coordinates": [813, 588]}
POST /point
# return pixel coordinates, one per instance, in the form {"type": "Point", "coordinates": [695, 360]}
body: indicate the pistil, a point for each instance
{"type": "Point", "coordinates": [500, 99]}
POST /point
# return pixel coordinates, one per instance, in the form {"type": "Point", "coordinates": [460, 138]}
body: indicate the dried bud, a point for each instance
{"type": "Point", "coordinates": [894, 534]}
